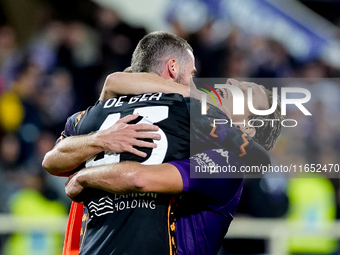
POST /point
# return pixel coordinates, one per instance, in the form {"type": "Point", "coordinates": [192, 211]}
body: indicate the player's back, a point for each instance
{"type": "Point", "coordinates": [137, 223]}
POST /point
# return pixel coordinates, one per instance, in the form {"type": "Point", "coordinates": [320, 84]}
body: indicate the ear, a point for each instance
{"type": "Point", "coordinates": [251, 131]}
{"type": "Point", "coordinates": [173, 68]}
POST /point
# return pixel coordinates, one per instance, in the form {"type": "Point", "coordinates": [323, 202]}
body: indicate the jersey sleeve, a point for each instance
{"type": "Point", "coordinates": [70, 126]}
{"type": "Point", "coordinates": [219, 189]}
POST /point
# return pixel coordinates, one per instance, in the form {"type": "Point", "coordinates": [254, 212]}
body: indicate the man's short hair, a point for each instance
{"type": "Point", "coordinates": [267, 134]}
{"type": "Point", "coordinates": [128, 70]}
{"type": "Point", "coordinates": [156, 48]}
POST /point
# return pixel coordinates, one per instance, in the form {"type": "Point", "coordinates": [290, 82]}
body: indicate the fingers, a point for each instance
{"type": "Point", "coordinates": [144, 144]}
{"type": "Point", "coordinates": [121, 137]}
{"type": "Point", "coordinates": [145, 127]}
{"type": "Point", "coordinates": [72, 190]}
{"type": "Point", "coordinates": [138, 127]}
{"type": "Point", "coordinates": [128, 118]}
{"type": "Point", "coordinates": [140, 143]}
{"type": "Point", "coordinates": [147, 135]}
{"type": "Point", "coordinates": [137, 152]}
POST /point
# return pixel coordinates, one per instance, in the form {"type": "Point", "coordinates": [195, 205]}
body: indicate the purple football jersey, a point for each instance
{"type": "Point", "coordinates": [207, 205]}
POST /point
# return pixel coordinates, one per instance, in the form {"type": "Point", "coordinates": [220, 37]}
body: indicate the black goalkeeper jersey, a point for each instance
{"type": "Point", "coordinates": [135, 223]}
{"type": "Point", "coordinates": [143, 223]}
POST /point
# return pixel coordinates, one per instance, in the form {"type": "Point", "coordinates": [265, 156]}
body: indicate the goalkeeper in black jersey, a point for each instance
{"type": "Point", "coordinates": [115, 238]}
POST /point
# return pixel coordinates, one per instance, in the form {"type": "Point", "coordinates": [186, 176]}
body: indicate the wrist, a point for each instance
{"type": "Point", "coordinates": [81, 179]}
{"type": "Point", "coordinates": [97, 141]}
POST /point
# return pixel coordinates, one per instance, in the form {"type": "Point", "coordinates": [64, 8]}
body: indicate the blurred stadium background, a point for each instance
{"type": "Point", "coordinates": [55, 55]}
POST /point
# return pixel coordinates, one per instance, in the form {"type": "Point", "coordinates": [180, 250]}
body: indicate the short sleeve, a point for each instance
{"type": "Point", "coordinates": [219, 189]}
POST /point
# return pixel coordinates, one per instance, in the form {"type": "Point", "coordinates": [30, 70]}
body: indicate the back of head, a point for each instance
{"type": "Point", "coordinates": [155, 49]}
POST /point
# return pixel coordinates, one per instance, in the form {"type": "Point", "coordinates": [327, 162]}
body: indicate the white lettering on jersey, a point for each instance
{"type": "Point", "coordinates": [114, 102]}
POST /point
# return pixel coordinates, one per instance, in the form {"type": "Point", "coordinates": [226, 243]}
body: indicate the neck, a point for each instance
{"type": "Point", "coordinates": [165, 75]}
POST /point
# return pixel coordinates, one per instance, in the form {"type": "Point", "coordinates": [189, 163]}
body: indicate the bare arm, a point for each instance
{"type": "Point", "coordinates": [126, 177]}
{"type": "Point", "coordinates": [139, 83]}
{"type": "Point", "coordinates": [70, 152]}
{"type": "Point", "coordinates": [122, 83]}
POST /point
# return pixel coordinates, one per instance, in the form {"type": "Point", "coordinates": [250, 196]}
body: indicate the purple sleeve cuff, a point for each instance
{"type": "Point", "coordinates": [183, 167]}
{"type": "Point", "coordinates": [219, 190]}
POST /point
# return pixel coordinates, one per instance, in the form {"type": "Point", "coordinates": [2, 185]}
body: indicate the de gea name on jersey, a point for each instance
{"type": "Point", "coordinates": [116, 102]}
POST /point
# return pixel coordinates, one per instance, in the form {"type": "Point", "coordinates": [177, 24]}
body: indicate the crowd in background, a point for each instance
{"type": "Point", "coordinates": [62, 68]}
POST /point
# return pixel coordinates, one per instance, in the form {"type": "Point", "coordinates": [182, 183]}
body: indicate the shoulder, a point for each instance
{"type": "Point", "coordinates": [74, 119]}
{"type": "Point", "coordinates": [72, 122]}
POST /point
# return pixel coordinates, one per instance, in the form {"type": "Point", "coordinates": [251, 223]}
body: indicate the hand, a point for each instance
{"type": "Point", "coordinates": [73, 187]}
{"type": "Point", "coordinates": [121, 137]}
